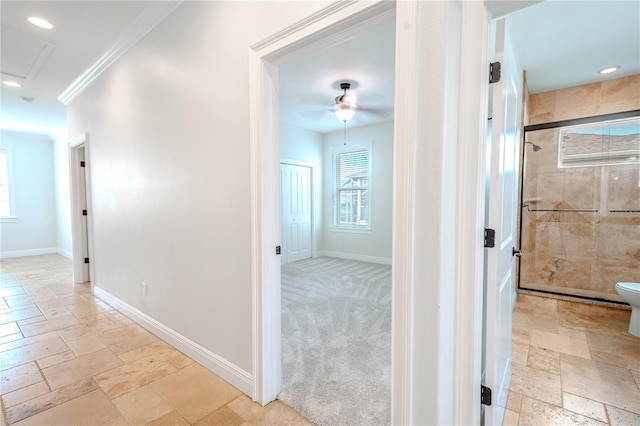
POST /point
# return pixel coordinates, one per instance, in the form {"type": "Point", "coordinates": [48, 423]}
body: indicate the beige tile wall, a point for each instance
{"type": "Point", "coordinates": [620, 94]}
{"type": "Point", "coordinates": [582, 254]}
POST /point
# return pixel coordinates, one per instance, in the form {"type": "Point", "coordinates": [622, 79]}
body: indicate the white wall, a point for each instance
{"type": "Point", "coordinates": [34, 229]}
{"type": "Point", "coordinates": [372, 246]}
{"type": "Point", "coordinates": [170, 171]}
{"type": "Point", "coordinates": [62, 196]}
{"type": "Point", "coordinates": [306, 145]}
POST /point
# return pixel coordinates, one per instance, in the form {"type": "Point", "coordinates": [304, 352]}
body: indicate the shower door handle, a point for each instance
{"type": "Point", "coordinates": [515, 252]}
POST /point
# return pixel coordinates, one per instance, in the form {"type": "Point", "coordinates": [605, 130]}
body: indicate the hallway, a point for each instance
{"type": "Point", "coordinates": [67, 358]}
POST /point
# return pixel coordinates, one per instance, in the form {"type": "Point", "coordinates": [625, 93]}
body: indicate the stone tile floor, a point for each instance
{"type": "Point", "coordinates": [67, 358]}
{"type": "Point", "coordinates": [572, 364]}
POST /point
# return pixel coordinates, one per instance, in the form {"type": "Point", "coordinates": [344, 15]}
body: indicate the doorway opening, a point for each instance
{"type": "Point", "coordinates": [81, 210]}
{"type": "Point", "coordinates": [336, 221]}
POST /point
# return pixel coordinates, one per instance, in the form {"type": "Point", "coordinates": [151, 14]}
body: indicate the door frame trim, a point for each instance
{"type": "Point", "coordinates": [78, 232]}
{"type": "Point", "coordinates": [329, 26]}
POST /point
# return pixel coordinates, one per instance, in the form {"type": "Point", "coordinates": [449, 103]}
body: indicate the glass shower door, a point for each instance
{"type": "Point", "coordinates": [580, 228]}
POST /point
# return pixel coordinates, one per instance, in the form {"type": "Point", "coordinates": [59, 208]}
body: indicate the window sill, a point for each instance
{"type": "Point", "coordinates": [350, 230]}
{"type": "Point", "coordinates": [8, 219]}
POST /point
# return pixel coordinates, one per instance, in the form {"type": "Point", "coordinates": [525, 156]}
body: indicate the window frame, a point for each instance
{"type": "Point", "coordinates": [10, 185]}
{"type": "Point", "coordinates": [335, 206]}
{"type": "Point", "coordinates": [594, 159]}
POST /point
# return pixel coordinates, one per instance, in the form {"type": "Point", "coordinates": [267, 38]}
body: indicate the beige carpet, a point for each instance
{"type": "Point", "coordinates": [336, 341]}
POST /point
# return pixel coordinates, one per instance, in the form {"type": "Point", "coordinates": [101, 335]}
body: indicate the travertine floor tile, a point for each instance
{"type": "Point", "coordinates": [49, 325]}
{"type": "Point", "coordinates": [544, 359]}
{"type": "Point", "coordinates": [44, 402]}
{"type": "Point", "coordinates": [56, 359]}
{"type": "Point", "coordinates": [24, 394]}
{"type": "Point", "coordinates": [27, 341]}
{"type": "Point", "coordinates": [20, 377]}
{"type": "Point", "coordinates": [32, 352]}
{"type": "Point", "coordinates": [615, 350]}
{"type": "Point", "coordinates": [172, 419]}
{"type": "Point", "coordinates": [85, 345]}
{"type": "Point", "coordinates": [514, 401]}
{"type": "Point", "coordinates": [195, 392]}
{"type": "Point", "coordinates": [88, 328]}
{"type": "Point", "coordinates": [83, 367]}
{"type": "Point", "coordinates": [275, 413]}
{"type": "Point", "coordinates": [10, 338]}
{"type": "Point", "coordinates": [622, 417]}
{"type": "Point", "coordinates": [584, 406]}
{"type": "Point", "coordinates": [537, 413]}
{"type": "Point", "coordinates": [600, 382]}
{"type": "Point", "coordinates": [127, 338]}
{"type": "Point", "coordinates": [142, 405]}
{"type": "Point", "coordinates": [510, 418]}
{"type": "Point", "coordinates": [159, 351]}
{"type": "Point", "coordinates": [28, 311]}
{"type": "Point", "coordinates": [536, 384]}
{"type": "Point", "coordinates": [222, 416]}
{"type": "Point", "coordinates": [9, 328]}
{"type": "Point", "coordinates": [559, 343]}
{"type": "Point", "coordinates": [92, 408]}
{"type": "Point", "coordinates": [519, 353]}
{"type": "Point", "coordinates": [123, 379]}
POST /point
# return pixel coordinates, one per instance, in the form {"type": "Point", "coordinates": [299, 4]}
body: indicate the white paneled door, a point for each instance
{"type": "Point", "coordinates": [502, 217]}
{"type": "Point", "coordinates": [296, 212]}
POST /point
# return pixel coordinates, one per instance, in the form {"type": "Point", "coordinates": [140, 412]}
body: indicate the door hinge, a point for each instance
{"type": "Point", "coordinates": [485, 395]}
{"type": "Point", "coordinates": [494, 72]}
{"type": "Point", "coordinates": [82, 164]}
{"type": "Point", "coordinates": [489, 237]}
{"type": "Point", "coordinates": [86, 260]}
{"type": "Point", "coordinates": [84, 212]}
{"type": "Point", "coordinates": [278, 250]}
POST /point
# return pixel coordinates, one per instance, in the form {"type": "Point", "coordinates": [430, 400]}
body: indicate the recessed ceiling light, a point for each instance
{"type": "Point", "coordinates": [11, 83]}
{"type": "Point", "coordinates": [609, 70]}
{"type": "Point", "coordinates": [40, 22]}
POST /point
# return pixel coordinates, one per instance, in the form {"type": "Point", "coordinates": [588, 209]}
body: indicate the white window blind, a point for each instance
{"type": "Point", "coordinates": [351, 189]}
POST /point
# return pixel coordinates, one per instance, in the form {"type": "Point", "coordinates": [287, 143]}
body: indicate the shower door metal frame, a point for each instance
{"type": "Point", "coordinates": [553, 125]}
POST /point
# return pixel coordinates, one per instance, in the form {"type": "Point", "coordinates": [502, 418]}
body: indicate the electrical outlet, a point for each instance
{"type": "Point", "coordinates": [145, 289]}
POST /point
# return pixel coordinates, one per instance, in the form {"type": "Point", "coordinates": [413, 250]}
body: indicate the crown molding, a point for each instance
{"type": "Point", "coordinates": [147, 20]}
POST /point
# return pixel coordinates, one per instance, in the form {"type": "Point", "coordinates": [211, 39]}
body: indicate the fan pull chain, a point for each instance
{"type": "Point", "coordinates": [345, 133]}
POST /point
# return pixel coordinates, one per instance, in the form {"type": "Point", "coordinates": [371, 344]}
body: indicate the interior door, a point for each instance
{"type": "Point", "coordinates": [502, 217]}
{"type": "Point", "coordinates": [296, 212]}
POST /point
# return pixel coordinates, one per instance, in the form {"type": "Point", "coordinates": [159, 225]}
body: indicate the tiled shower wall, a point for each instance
{"type": "Point", "coordinates": [579, 253]}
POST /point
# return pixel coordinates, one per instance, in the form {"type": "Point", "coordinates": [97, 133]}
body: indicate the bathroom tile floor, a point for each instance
{"type": "Point", "coordinates": [572, 364]}
{"type": "Point", "coordinates": [67, 358]}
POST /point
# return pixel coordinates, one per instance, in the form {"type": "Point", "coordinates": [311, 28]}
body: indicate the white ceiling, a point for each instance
{"type": "Point", "coordinates": [82, 32]}
{"type": "Point", "coordinates": [559, 43]}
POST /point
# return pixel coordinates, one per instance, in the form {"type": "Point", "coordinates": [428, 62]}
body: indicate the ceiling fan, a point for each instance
{"type": "Point", "coordinates": [346, 105]}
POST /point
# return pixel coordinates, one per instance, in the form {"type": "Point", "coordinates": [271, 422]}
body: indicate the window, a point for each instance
{"type": "Point", "coordinates": [5, 189]}
{"type": "Point", "coordinates": [606, 143]}
{"type": "Point", "coordinates": [351, 189]}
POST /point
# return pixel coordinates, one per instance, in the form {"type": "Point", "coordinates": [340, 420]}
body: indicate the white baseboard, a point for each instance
{"type": "Point", "coordinates": [220, 366]}
{"type": "Point", "coordinates": [65, 253]}
{"type": "Point", "coordinates": [23, 253]}
{"type": "Point", "coordinates": [354, 256]}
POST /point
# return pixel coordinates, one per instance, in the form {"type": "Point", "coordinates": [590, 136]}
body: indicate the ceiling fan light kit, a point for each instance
{"type": "Point", "coordinates": [345, 102]}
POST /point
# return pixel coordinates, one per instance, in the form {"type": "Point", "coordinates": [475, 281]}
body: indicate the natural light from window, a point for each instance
{"type": "Point", "coordinates": [351, 189]}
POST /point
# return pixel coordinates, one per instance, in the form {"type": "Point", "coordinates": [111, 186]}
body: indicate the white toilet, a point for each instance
{"type": "Point", "coordinates": [630, 292]}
